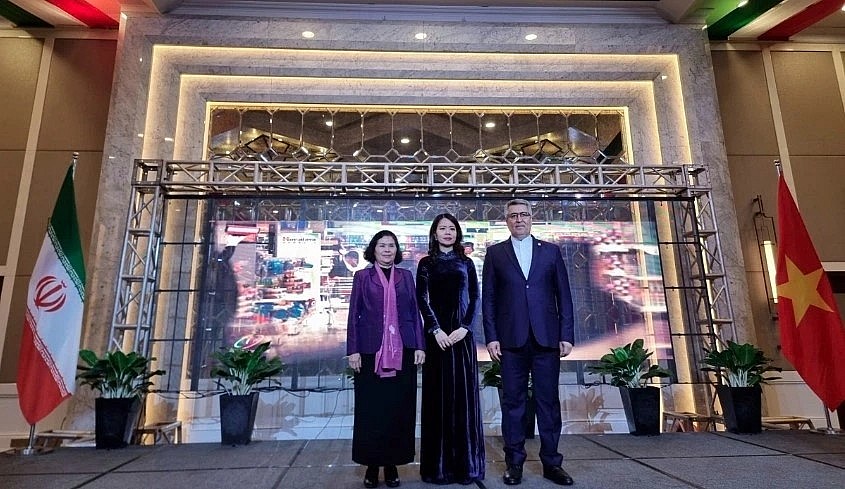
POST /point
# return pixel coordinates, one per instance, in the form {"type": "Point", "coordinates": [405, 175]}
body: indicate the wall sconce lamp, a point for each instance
{"type": "Point", "coordinates": [764, 230]}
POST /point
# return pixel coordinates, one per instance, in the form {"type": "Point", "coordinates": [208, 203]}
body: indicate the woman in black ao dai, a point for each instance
{"type": "Point", "coordinates": [452, 440]}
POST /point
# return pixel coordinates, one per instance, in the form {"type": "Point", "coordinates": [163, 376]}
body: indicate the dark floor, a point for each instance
{"type": "Point", "coordinates": [773, 459]}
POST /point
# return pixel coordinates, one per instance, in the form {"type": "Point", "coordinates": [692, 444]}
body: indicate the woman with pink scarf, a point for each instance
{"type": "Point", "coordinates": [385, 343]}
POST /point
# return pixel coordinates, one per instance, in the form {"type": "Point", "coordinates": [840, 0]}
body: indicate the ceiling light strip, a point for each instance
{"type": "Point", "coordinates": [20, 17]}
{"type": "Point", "coordinates": [802, 20]}
{"type": "Point", "coordinates": [87, 13]}
{"type": "Point", "coordinates": [738, 18]}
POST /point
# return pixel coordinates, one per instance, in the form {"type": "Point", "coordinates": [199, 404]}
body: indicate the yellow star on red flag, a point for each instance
{"type": "Point", "coordinates": [802, 289]}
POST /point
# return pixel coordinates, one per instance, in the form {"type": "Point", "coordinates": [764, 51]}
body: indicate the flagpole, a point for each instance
{"type": "Point", "coordinates": [829, 430]}
{"type": "Point", "coordinates": [30, 448]}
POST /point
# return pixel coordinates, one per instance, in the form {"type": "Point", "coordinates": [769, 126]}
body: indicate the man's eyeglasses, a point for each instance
{"type": "Point", "coordinates": [518, 215]}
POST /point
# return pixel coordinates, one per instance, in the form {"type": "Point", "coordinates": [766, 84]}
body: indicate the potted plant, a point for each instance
{"type": "Point", "coordinates": [122, 379]}
{"type": "Point", "coordinates": [491, 376]}
{"type": "Point", "coordinates": [239, 370]}
{"type": "Point", "coordinates": [743, 368]}
{"type": "Point", "coordinates": [628, 369]}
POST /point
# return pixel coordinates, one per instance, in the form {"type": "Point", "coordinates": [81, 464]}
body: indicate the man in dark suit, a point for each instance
{"type": "Point", "coordinates": [528, 325]}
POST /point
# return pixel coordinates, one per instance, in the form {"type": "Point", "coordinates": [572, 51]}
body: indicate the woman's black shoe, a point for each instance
{"type": "Point", "coordinates": [371, 476]}
{"type": "Point", "coordinates": [391, 476]}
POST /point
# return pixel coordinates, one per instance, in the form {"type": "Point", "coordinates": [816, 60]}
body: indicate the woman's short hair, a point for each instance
{"type": "Point", "coordinates": [370, 252]}
{"type": "Point", "coordinates": [434, 246]}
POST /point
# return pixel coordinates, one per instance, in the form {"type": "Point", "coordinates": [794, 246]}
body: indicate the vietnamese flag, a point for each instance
{"type": "Point", "coordinates": [811, 330]}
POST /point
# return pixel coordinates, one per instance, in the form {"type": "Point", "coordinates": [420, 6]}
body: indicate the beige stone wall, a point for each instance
{"type": "Point", "coordinates": [784, 102]}
{"type": "Point", "coordinates": [68, 97]}
{"type": "Point", "coordinates": [54, 102]}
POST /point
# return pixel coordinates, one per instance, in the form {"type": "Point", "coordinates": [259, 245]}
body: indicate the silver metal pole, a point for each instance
{"type": "Point", "coordinates": [829, 430]}
{"type": "Point", "coordinates": [30, 448]}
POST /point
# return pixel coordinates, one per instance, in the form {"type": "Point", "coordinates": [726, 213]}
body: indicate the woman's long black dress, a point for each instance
{"type": "Point", "coordinates": [452, 440]}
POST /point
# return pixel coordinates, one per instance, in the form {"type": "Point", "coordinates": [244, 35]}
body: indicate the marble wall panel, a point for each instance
{"type": "Point", "coordinates": [673, 120]}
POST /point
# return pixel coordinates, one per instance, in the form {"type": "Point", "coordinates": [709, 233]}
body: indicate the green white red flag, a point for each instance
{"type": "Point", "coordinates": [53, 320]}
{"type": "Point", "coordinates": [811, 331]}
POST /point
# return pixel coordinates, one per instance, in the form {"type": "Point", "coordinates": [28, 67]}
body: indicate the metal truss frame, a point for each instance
{"type": "Point", "coordinates": [705, 283]}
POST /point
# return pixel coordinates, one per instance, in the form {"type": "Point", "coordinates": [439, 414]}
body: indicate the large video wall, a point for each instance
{"type": "Point", "coordinates": [287, 281]}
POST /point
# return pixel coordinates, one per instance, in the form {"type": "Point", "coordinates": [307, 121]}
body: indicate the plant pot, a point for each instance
{"type": "Point", "coordinates": [741, 407]}
{"type": "Point", "coordinates": [642, 409]}
{"type": "Point", "coordinates": [530, 416]}
{"type": "Point", "coordinates": [115, 421]}
{"type": "Point", "coordinates": [237, 418]}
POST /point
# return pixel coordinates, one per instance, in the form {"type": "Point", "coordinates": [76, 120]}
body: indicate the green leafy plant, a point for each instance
{"type": "Point", "coordinates": [741, 365]}
{"type": "Point", "coordinates": [491, 376]}
{"type": "Point", "coordinates": [240, 369]}
{"type": "Point", "coordinates": [627, 366]}
{"type": "Point", "coordinates": [116, 374]}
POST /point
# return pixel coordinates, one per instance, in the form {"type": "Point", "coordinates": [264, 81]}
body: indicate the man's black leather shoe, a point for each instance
{"type": "Point", "coordinates": [558, 476]}
{"type": "Point", "coordinates": [512, 475]}
{"type": "Point", "coordinates": [371, 476]}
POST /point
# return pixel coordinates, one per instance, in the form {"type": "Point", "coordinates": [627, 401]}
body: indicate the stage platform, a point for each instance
{"type": "Point", "coordinates": [786, 459]}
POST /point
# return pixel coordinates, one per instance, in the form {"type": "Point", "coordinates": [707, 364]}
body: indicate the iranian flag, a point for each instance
{"type": "Point", "coordinates": [53, 322]}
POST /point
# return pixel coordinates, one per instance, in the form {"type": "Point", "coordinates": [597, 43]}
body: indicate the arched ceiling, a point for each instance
{"type": "Point", "coordinates": [764, 20]}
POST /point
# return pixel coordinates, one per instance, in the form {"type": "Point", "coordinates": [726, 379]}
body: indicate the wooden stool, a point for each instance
{"type": "Point", "coordinates": [168, 431]}
{"type": "Point", "coordinates": [685, 421]}
{"type": "Point", "coordinates": [787, 422]}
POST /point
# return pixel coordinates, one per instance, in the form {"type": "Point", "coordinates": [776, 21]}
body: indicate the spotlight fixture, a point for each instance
{"type": "Point", "coordinates": [420, 36]}
{"type": "Point", "coordinates": [405, 140]}
{"type": "Point", "coordinates": [530, 37]}
{"type": "Point", "coordinates": [330, 123]}
{"type": "Point", "coordinates": [489, 124]}
{"type": "Point", "coordinates": [307, 34]}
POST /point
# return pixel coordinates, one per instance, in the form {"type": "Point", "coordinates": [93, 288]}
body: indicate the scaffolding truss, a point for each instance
{"type": "Point", "coordinates": [704, 283]}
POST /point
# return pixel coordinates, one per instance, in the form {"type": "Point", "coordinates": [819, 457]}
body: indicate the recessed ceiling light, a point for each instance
{"type": "Point", "coordinates": [490, 124]}
{"type": "Point", "coordinates": [420, 35]}
{"type": "Point", "coordinates": [307, 34]}
{"type": "Point", "coordinates": [405, 140]}
{"type": "Point", "coordinates": [530, 37]}
{"type": "Point", "coordinates": [330, 123]}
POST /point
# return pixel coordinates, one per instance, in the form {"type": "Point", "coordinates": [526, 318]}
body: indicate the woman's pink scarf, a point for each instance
{"type": "Point", "coordinates": [389, 356]}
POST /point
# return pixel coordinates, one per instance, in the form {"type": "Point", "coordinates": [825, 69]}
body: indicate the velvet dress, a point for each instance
{"type": "Point", "coordinates": [452, 440]}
